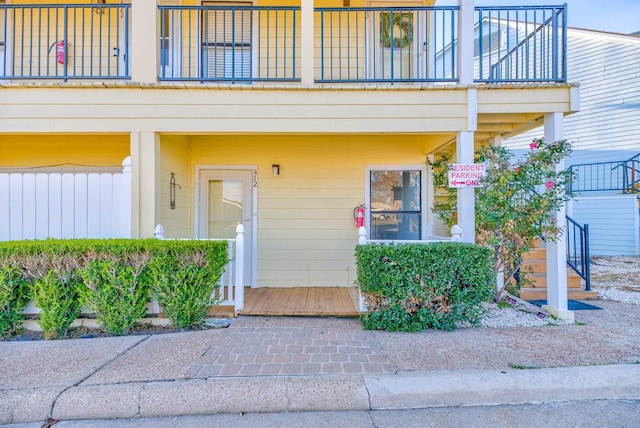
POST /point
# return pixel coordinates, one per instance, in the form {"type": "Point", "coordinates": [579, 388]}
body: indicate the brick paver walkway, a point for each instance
{"type": "Point", "coordinates": [292, 351]}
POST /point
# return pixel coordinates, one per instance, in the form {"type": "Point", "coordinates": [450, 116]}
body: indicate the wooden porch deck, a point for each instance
{"type": "Point", "coordinates": [298, 301]}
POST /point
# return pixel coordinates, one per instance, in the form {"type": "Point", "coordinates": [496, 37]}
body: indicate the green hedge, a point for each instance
{"type": "Point", "coordinates": [114, 278]}
{"type": "Point", "coordinates": [412, 287]}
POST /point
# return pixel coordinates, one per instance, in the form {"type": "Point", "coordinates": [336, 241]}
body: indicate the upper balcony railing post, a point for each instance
{"type": "Point", "coordinates": [144, 58]}
{"type": "Point", "coordinates": [465, 41]}
{"type": "Point", "coordinates": [307, 35]}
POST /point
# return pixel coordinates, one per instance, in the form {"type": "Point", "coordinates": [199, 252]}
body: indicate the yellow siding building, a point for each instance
{"type": "Point", "coordinates": [281, 115]}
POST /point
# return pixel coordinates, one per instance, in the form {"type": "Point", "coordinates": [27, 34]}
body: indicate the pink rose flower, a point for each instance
{"type": "Point", "coordinates": [549, 184]}
{"type": "Point", "coordinates": [517, 170]}
{"type": "Point", "coordinates": [533, 145]}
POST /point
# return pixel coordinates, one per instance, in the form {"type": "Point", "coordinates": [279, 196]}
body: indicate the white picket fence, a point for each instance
{"type": "Point", "coordinates": [66, 205]}
{"type": "Point", "coordinates": [231, 284]}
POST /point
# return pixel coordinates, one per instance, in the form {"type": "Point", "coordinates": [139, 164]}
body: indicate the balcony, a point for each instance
{"type": "Point", "coordinates": [249, 44]}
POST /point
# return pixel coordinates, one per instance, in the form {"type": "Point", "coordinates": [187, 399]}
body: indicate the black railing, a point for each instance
{"type": "Point", "coordinates": [621, 176]}
{"type": "Point", "coordinates": [578, 250]}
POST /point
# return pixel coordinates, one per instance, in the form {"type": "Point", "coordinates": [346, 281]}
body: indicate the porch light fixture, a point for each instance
{"type": "Point", "coordinates": [275, 170]}
{"type": "Point", "coordinates": [172, 191]}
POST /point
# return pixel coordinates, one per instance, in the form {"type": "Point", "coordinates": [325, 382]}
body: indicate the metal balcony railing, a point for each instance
{"type": "Point", "coordinates": [618, 176]}
{"type": "Point", "coordinates": [235, 44]}
{"type": "Point", "coordinates": [245, 44]}
{"type": "Point", "coordinates": [64, 41]}
{"type": "Point", "coordinates": [521, 44]}
{"type": "Point", "coordinates": [578, 257]}
{"type": "Point", "coordinates": [387, 44]}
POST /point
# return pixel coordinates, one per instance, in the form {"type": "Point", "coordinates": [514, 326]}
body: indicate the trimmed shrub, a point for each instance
{"type": "Point", "coordinates": [57, 297]}
{"type": "Point", "coordinates": [56, 285]}
{"type": "Point", "coordinates": [412, 287]}
{"type": "Point", "coordinates": [14, 297]}
{"type": "Point", "coordinates": [116, 288]}
{"type": "Point", "coordinates": [184, 278]}
{"type": "Point", "coordinates": [111, 277]}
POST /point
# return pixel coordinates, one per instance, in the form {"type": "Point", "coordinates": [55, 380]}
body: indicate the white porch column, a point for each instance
{"type": "Point", "coordinates": [124, 211]}
{"type": "Point", "coordinates": [466, 196]}
{"type": "Point", "coordinates": [306, 48]}
{"type": "Point", "coordinates": [557, 251]}
{"type": "Point", "coordinates": [144, 41]}
{"type": "Point", "coordinates": [145, 171]}
{"type": "Point", "coordinates": [465, 42]}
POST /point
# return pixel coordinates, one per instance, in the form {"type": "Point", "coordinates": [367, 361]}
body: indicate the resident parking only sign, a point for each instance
{"type": "Point", "coordinates": [466, 175]}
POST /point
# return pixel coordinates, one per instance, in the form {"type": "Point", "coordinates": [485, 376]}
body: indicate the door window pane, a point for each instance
{"type": "Point", "coordinates": [225, 208]}
{"type": "Point", "coordinates": [396, 205]}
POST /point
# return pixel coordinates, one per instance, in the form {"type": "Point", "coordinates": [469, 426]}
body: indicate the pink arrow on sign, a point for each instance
{"type": "Point", "coordinates": [455, 183]}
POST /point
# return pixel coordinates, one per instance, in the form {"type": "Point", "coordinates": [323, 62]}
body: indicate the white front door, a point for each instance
{"type": "Point", "coordinates": [226, 199]}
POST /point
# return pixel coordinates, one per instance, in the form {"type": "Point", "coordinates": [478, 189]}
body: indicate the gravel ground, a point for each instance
{"type": "Point", "coordinates": [616, 278]}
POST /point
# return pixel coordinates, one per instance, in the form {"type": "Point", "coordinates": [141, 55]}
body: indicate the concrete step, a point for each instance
{"type": "Point", "coordinates": [540, 293]}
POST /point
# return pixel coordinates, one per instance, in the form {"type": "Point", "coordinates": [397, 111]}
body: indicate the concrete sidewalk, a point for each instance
{"type": "Point", "coordinates": [293, 364]}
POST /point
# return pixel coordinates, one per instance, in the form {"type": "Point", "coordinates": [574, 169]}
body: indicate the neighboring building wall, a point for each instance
{"type": "Point", "coordinates": [613, 223]}
{"type": "Point", "coordinates": [607, 127]}
{"type": "Point", "coordinates": [306, 234]}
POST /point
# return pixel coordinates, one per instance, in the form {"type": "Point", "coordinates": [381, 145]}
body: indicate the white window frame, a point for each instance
{"type": "Point", "coordinates": [423, 193]}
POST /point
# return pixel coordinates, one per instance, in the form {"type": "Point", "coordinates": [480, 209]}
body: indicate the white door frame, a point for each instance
{"type": "Point", "coordinates": [254, 209]}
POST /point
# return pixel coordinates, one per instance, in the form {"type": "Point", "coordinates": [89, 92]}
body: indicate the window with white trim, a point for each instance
{"type": "Point", "coordinates": [396, 204]}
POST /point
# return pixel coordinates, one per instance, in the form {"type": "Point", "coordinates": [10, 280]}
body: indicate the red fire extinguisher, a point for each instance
{"type": "Point", "coordinates": [61, 51]}
{"type": "Point", "coordinates": [358, 215]}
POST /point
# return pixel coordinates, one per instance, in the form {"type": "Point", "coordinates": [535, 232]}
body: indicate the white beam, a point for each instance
{"type": "Point", "coordinates": [557, 251]}
{"type": "Point", "coordinates": [466, 196]}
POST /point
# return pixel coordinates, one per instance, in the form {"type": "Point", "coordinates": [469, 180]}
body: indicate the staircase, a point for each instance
{"type": "Point", "coordinates": [537, 259]}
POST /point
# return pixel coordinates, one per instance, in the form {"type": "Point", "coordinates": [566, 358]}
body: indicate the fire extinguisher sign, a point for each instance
{"type": "Point", "coordinates": [462, 175]}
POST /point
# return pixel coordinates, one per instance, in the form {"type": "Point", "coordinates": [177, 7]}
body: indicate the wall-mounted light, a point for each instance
{"type": "Point", "coordinates": [275, 170]}
{"type": "Point", "coordinates": [172, 191]}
